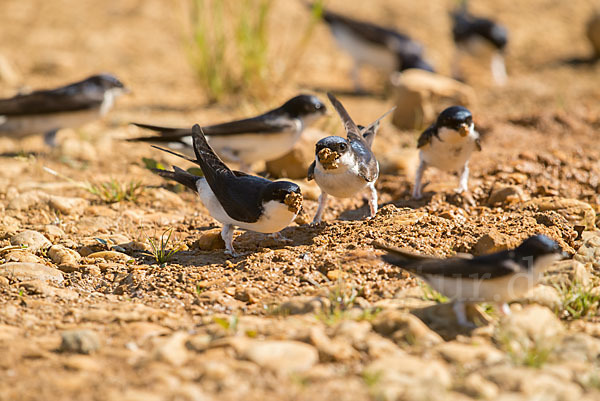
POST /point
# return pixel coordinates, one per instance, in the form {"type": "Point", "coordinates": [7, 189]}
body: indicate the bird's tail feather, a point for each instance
{"type": "Point", "coordinates": [162, 130]}
{"type": "Point", "coordinates": [179, 175]}
{"type": "Point", "coordinates": [399, 254]}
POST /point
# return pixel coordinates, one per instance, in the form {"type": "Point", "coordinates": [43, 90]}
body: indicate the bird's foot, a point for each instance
{"type": "Point", "coordinates": [232, 253]}
{"type": "Point", "coordinates": [505, 309]}
{"type": "Point", "coordinates": [281, 238]}
{"type": "Point", "coordinates": [466, 197]}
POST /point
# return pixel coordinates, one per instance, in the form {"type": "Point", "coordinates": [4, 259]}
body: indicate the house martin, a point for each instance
{"type": "Point", "coordinates": [470, 32]}
{"type": "Point", "coordinates": [261, 138]}
{"type": "Point", "coordinates": [383, 48]}
{"type": "Point", "coordinates": [498, 277]}
{"type": "Point", "coordinates": [447, 145]}
{"type": "Point", "coordinates": [345, 166]}
{"type": "Point", "coordinates": [47, 111]}
{"type": "Point", "coordinates": [234, 198]}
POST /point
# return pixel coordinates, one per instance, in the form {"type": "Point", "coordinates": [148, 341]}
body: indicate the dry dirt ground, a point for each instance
{"type": "Point", "coordinates": [94, 317]}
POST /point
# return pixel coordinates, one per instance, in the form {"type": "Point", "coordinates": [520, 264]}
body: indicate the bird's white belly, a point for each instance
{"type": "Point", "coordinates": [446, 155]}
{"type": "Point", "coordinates": [500, 289]}
{"type": "Point", "coordinates": [250, 148]}
{"type": "Point", "coordinates": [477, 46]}
{"type": "Point", "coordinates": [276, 216]}
{"type": "Point", "coordinates": [340, 182]}
{"type": "Point", "coordinates": [20, 126]}
{"type": "Point", "coordinates": [364, 52]}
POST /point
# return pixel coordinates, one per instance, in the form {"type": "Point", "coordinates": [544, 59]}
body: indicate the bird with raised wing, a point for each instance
{"type": "Point", "coordinates": [234, 198]}
{"type": "Point", "coordinates": [345, 166]}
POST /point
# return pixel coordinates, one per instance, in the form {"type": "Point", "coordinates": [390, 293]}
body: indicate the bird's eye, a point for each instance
{"type": "Point", "coordinates": [343, 146]}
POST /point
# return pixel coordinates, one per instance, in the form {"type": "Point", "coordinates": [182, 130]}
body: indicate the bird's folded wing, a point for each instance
{"type": "Point", "coordinates": [311, 171]}
{"type": "Point", "coordinates": [426, 137]}
{"type": "Point", "coordinates": [52, 101]}
{"type": "Point", "coordinates": [262, 124]}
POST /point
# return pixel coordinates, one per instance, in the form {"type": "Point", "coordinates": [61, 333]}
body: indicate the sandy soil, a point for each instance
{"type": "Point", "coordinates": [189, 329]}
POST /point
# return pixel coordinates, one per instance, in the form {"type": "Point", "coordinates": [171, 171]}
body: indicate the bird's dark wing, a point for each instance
{"type": "Point", "coordinates": [483, 267]}
{"type": "Point", "coordinates": [369, 32]}
{"type": "Point", "coordinates": [271, 122]}
{"type": "Point", "coordinates": [311, 171]}
{"type": "Point", "coordinates": [352, 131]}
{"type": "Point", "coordinates": [427, 135]}
{"type": "Point", "coordinates": [239, 194]}
{"type": "Point", "coordinates": [367, 164]}
{"type": "Point", "coordinates": [369, 132]}
{"type": "Point", "coordinates": [267, 123]}
{"type": "Point", "coordinates": [65, 99]}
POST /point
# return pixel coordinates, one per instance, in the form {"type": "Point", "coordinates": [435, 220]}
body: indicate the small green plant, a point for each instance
{"type": "Point", "coordinates": [341, 299]}
{"type": "Point", "coordinates": [524, 351]}
{"type": "Point", "coordinates": [432, 295]}
{"type": "Point", "coordinates": [230, 325]}
{"type": "Point", "coordinates": [229, 47]}
{"type": "Point", "coordinates": [113, 191]}
{"type": "Point", "coordinates": [160, 250]}
{"type": "Point", "coordinates": [578, 301]}
{"type": "Point", "coordinates": [371, 378]}
{"type": "Point", "coordinates": [222, 34]}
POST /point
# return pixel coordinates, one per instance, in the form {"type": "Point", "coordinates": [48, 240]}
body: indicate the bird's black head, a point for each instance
{"type": "Point", "coordinates": [333, 143]}
{"type": "Point", "coordinates": [495, 33]}
{"type": "Point", "coordinates": [414, 61]}
{"type": "Point", "coordinates": [537, 246]}
{"type": "Point", "coordinates": [457, 118]}
{"type": "Point", "coordinates": [304, 106]}
{"type": "Point", "coordinates": [284, 192]}
{"type": "Point", "coordinates": [105, 82]}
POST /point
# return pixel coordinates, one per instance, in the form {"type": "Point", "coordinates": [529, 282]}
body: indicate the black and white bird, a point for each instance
{"type": "Point", "coordinates": [47, 111]}
{"type": "Point", "coordinates": [474, 35]}
{"type": "Point", "coordinates": [236, 199]}
{"type": "Point", "coordinates": [499, 277]}
{"type": "Point", "coordinates": [447, 145]}
{"type": "Point", "coordinates": [261, 138]}
{"type": "Point", "coordinates": [383, 48]}
{"type": "Point", "coordinates": [345, 166]}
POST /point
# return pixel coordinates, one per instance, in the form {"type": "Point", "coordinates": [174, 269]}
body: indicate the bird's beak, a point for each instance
{"type": "Point", "coordinates": [464, 129]}
{"type": "Point", "coordinates": [328, 158]}
{"type": "Point", "coordinates": [293, 202]}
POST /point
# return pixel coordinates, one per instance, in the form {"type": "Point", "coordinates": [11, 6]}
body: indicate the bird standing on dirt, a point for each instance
{"type": "Point", "coordinates": [345, 166]}
{"type": "Point", "coordinates": [264, 137]}
{"type": "Point", "coordinates": [235, 198]}
{"type": "Point", "coordinates": [447, 145]}
{"type": "Point", "coordinates": [47, 111]}
{"type": "Point", "coordinates": [472, 34]}
{"type": "Point", "coordinates": [498, 277]}
{"type": "Point", "coordinates": [369, 44]}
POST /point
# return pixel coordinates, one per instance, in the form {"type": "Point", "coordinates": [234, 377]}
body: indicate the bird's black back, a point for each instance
{"type": "Point", "coordinates": [466, 26]}
{"type": "Point", "coordinates": [67, 98]}
{"type": "Point", "coordinates": [240, 195]}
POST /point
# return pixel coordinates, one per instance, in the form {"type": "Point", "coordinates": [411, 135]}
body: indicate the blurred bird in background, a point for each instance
{"type": "Point", "coordinates": [369, 44]}
{"type": "Point", "coordinates": [47, 111]}
{"type": "Point", "coordinates": [474, 35]}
